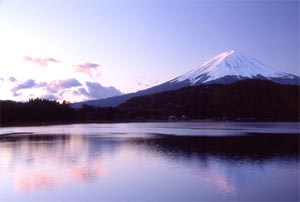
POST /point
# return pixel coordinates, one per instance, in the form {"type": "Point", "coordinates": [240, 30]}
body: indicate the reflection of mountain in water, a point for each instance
{"type": "Point", "coordinates": [220, 160]}
{"type": "Point", "coordinates": [84, 148]}
{"type": "Point", "coordinates": [100, 145]}
{"type": "Point", "coordinates": [249, 147]}
{"type": "Point", "coordinates": [40, 161]}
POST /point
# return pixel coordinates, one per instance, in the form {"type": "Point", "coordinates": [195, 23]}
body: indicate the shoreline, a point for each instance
{"type": "Point", "coordinates": [146, 121]}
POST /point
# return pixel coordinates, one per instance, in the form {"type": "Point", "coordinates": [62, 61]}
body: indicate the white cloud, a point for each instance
{"type": "Point", "coordinates": [43, 62]}
{"type": "Point", "coordinates": [50, 78]}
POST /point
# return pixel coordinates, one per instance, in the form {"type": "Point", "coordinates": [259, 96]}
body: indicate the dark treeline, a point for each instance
{"type": "Point", "coordinates": [244, 100]}
{"type": "Point", "coordinates": [41, 111]}
{"type": "Point", "coordinates": [36, 111]}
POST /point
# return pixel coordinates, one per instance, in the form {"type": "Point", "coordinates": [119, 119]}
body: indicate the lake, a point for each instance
{"type": "Point", "coordinates": [151, 162]}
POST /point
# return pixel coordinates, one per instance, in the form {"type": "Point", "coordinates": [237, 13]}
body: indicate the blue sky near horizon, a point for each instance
{"type": "Point", "coordinates": [134, 44]}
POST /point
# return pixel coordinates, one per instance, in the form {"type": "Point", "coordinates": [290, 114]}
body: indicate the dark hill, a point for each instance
{"type": "Point", "coordinates": [245, 99]}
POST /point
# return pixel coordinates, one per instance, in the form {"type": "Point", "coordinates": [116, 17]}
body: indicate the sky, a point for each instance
{"type": "Point", "coordinates": [86, 49]}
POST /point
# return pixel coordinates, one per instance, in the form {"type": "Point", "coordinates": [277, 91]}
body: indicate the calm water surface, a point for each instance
{"type": "Point", "coordinates": [150, 161]}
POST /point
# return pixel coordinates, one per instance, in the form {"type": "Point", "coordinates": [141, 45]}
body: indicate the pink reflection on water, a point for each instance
{"type": "Point", "coordinates": [217, 177]}
{"type": "Point", "coordinates": [39, 165]}
{"type": "Point", "coordinates": [58, 175]}
{"type": "Point", "coordinates": [33, 181]}
{"type": "Point", "coordinates": [87, 173]}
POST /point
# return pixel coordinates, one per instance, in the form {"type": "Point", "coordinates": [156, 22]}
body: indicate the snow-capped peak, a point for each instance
{"type": "Point", "coordinates": [230, 63]}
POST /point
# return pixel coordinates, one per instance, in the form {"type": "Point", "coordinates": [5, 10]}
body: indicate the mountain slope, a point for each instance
{"type": "Point", "coordinates": [225, 68]}
{"type": "Point", "coordinates": [238, 100]}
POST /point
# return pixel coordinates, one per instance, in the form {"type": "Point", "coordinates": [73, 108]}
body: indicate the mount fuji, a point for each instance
{"type": "Point", "coordinates": [227, 67]}
{"type": "Point", "coordinates": [231, 66]}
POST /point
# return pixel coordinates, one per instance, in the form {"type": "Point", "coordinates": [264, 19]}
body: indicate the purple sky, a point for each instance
{"type": "Point", "coordinates": [134, 44]}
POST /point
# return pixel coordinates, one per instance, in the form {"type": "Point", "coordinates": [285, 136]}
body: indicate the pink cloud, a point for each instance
{"type": "Point", "coordinates": [63, 84]}
{"type": "Point", "coordinates": [44, 62]}
{"type": "Point", "coordinates": [91, 69]}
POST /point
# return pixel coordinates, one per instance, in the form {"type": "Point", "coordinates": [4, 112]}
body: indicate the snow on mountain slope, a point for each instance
{"type": "Point", "coordinates": [230, 63]}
